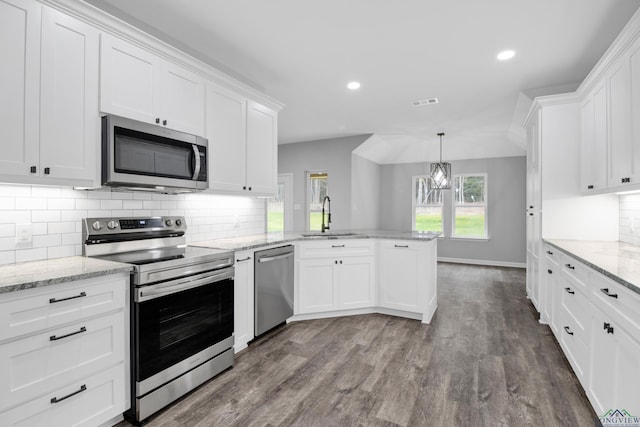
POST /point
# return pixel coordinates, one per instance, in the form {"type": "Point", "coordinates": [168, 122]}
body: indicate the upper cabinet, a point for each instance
{"type": "Point", "coordinates": [242, 138]}
{"type": "Point", "coordinates": [593, 149]}
{"type": "Point", "coordinates": [140, 85]}
{"type": "Point", "coordinates": [50, 79]}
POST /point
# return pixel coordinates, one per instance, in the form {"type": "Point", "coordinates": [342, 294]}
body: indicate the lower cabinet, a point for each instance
{"type": "Point", "coordinates": [64, 353]}
{"type": "Point", "coordinates": [243, 300]}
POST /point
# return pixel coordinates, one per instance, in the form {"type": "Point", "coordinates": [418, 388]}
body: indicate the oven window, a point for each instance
{"type": "Point", "coordinates": [177, 326]}
{"type": "Point", "coordinates": [145, 154]}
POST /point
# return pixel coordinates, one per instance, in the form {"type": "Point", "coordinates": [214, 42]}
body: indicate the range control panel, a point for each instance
{"type": "Point", "coordinates": [109, 226]}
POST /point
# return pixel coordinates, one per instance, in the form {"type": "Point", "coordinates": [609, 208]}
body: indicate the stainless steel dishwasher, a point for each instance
{"type": "Point", "coordinates": [273, 287]}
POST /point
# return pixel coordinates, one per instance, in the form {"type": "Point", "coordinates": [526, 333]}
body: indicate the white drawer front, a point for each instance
{"type": "Point", "coordinates": [552, 255]}
{"type": "Point", "coordinates": [336, 247]}
{"type": "Point", "coordinates": [91, 402]}
{"type": "Point", "coordinates": [47, 361]}
{"type": "Point", "coordinates": [577, 272]}
{"type": "Point", "coordinates": [622, 304]}
{"type": "Point", "coordinates": [30, 311]}
{"type": "Point", "coordinates": [574, 345]}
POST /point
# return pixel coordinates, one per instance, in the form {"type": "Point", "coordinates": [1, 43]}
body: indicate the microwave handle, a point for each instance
{"type": "Point", "coordinates": [196, 169]}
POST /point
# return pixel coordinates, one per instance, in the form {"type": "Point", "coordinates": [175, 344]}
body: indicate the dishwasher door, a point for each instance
{"type": "Point", "coordinates": [273, 287]}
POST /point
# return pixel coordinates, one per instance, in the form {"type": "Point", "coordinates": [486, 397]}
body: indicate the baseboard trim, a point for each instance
{"type": "Point", "coordinates": [483, 262]}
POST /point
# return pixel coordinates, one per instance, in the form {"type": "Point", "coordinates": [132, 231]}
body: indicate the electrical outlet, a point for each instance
{"type": "Point", "coordinates": [24, 234]}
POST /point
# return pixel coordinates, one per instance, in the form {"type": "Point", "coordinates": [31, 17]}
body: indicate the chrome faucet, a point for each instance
{"type": "Point", "coordinates": [324, 227]}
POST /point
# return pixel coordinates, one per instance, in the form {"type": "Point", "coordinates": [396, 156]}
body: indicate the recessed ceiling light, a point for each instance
{"type": "Point", "coordinates": [354, 85]}
{"type": "Point", "coordinates": [506, 54]}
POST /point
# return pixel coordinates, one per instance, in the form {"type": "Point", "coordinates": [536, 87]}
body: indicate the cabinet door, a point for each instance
{"type": "Point", "coordinates": [634, 93]}
{"type": "Point", "coordinates": [69, 131]}
{"type": "Point", "coordinates": [548, 301]}
{"type": "Point", "coordinates": [127, 79]}
{"type": "Point", "coordinates": [593, 143]}
{"type": "Point", "coordinates": [226, 132]}
{"type": "Point", "coordinates": [180, 99]}
{"type": "Point", "coordinates": [355, 282]}
{"type": "Point", "coordinates": [262, 149]}
{"type": "Point", "coordinates": [620, 149]}
{"type": "Point", "coordinates": [315, 278]}
{"type": "Point", "coordinates": [243, 300]}
{"type": "Point", "coordinates": [402, 270]}
{"type": "Point", "coordinates": [19, 85]}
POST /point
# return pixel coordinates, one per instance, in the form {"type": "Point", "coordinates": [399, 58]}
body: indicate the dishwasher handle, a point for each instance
{"type": "Point", "coordinates": [274, 258]}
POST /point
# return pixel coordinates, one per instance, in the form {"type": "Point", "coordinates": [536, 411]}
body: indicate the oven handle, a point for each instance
{"type": "Point", "coordinates": [171, 287]}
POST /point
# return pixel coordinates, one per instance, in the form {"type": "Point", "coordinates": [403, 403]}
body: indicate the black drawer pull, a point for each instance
{"type": "Point", "coordinates": [606, 325]}
{"type": "Point", "coordinates": [55, 338]}
{"type": "Point", "coordinates": [54, 300]}
{"type": "Point", "coordinates": [549, 271]}
{"type": "Point", "coordinates": [400, 246]}
{"type": "Point", "coordinates": [606, 292]}
{"type": "Point", "coordinates": [569, 291]}
{"type": "Point", "coordinates": [567, 330]}
{"type": "Point", "coordinates": [550, 253]}
{"type": "Point", "coordinates": [244, 259]}
{"type": "Point", "coordinates": [337, 246]}
{"type": "Point", "coordinates": [589, 187]}
{"type": "Point", "coordinates": [83, 387]}
{"type": "Point", "coordinates": [569, 266]}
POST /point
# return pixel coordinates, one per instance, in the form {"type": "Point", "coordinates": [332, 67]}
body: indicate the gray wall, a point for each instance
{"type": "Point", "coordinates": [506, 180]}
{"type": "Point", "coordinates": [332, 155]}
{"type": "Point", "coordinates": [365, 193]}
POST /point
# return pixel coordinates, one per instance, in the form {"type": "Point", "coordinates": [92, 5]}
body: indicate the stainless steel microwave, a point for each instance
{"type": "Point", "coordinates": [143, 156]}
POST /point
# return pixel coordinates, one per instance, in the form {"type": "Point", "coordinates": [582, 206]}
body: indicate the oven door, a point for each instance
{"type": "Point", "coordinates": [179, 319]}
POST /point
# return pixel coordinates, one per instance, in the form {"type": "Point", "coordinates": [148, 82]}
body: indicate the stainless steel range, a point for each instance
{"type": "Point", "coordinates": [182, 306]}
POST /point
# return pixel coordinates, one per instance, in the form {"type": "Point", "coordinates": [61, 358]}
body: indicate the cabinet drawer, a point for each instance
{"type": "Point", "coordinates": [622, 304]}
{"type": "Point", "coordinates": [30, 311]}
{"type": "Point", "coordinates": [51, 359]}
{"type": "Point", "coordinates": [575, 306]}
{"type": "Point", "coordinates": [89, 402]}
{"type": "Point", "coordinates": [552, 256]}
{"type": "Point", "coordinates": [577, 272]}
{"type": "Point", "coordinates": [574, 345]}
{"type": "Point", "coordinates": [336, 247]}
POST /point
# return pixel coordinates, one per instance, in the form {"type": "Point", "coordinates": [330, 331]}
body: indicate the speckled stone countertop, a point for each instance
{"type": "Point", "coordinates": [255, 241]}
{"type": "Point", "coordinates": [617, 260]}
{"type": "Point", "coordinates": [35, 274]}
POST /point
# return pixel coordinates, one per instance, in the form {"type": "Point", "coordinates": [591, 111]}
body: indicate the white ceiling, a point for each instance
{"type": "Point", "coordinates": [304, 53]}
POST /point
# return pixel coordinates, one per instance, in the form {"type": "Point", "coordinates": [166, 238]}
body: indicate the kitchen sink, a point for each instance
{"type": "Point", "coordinates": [330, 234]}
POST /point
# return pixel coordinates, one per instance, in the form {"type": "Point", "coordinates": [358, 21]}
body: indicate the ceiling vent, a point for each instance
{"type": "Point", "coordinates": [423, 102]}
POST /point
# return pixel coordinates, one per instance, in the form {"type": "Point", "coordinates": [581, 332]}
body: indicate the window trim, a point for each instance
{"type": "Point", "coordinates": [307, 184]}
{"type": "Point", "coordinates": [414, 206]}
{"type": "Point", "coordinates": [486, 236]}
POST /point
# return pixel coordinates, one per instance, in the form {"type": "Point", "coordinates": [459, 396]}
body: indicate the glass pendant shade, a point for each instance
{"type": "Point", "coordinates": [440, 172]}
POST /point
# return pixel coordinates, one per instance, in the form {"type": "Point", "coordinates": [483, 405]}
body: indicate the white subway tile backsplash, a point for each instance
{"type": "Point", "coordinates": [57, 224]}
{"type": "Point", "coordinates": [629, 221]}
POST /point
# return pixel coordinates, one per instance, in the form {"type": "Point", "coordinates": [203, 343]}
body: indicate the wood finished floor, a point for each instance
{"type": "Point", "coordinates": [483, 361]}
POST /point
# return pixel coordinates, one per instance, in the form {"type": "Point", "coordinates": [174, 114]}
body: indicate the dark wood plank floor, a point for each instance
{"type": "Point", "coordinates": [483, 361]}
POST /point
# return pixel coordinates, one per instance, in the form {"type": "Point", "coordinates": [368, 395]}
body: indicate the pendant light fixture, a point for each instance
{"type": "Point", "coordinates": [440, 173]}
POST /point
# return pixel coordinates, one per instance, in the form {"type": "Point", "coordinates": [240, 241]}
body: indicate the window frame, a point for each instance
{"type": "Point", "coordinates": [307, 183]}
{"type": "Point", "coordinates": [486, 207]}
{"type": "Point", "coordinates": [414, 205]}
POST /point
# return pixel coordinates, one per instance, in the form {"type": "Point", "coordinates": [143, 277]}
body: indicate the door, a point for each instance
{"type": "Point", "coordinates": [315, 278]}
{"type": "Point", "coordinates": [354, 277]}
{"type": "Point", "coordinates": [180, 100]}
{"type": "Point", "coordinates": [620, 149]}
{"type": "Point", "coordinates": [400, 284]}
{"type": "Point", "coordinates": [69, 121]}
{"type": "Point", "coordinates": [19, 85]}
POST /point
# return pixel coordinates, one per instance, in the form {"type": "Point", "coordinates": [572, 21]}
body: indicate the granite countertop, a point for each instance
{"type": "Point", "coordinates": [255, 241]}
{"type": "Point", "coordinates": [617, 260]}
{"type": "Point", "coordinates": [35, 274]}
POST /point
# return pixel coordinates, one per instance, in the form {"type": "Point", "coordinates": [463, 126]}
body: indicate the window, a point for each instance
{"type": "Point", "coordinates": [275, 210]}
{"type": "Point", "coordinates": [470, 206]}
{"type": "Point", "coordinates": [427, 205]}
{"type": "Point", "coordinates": [317, 189]}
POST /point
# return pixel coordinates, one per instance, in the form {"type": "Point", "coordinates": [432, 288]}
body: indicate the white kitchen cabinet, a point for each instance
{"type": "Point", "coordinates": [137, 84]}
{"type": "Point", "coordinates": [407, 276]}
{"type": "Point", "coordinates": [64, 351]}
{"type": "Point", "coordinates": [51, 134]}
{"type": "Point", "coordinates": [243, 142]}
{"type": "Point", "coordinates": [243, 298]}
{"type": "Point", "coordinates": [593, 143]}
{"type": "Point", "coordinates": [533, 210]}
{"type": "Point", "coordinates": [335, 275]}
{"type": "Point", "coordinates": [614, 372]}
{"type": "Point", "coordinates": [550, 271]}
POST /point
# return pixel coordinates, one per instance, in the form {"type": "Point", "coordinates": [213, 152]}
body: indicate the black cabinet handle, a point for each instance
{"type": "Point", "coordinates": [337, 246]}
{"type": "Point", "coordinates": [606, 292]}
{"type": "Point", "coordinates": [340, 261]}
{"type": "Point", "coordinates": [550, 253]}
{"type": "Point", "coordinates": [569, 266]}
{"type": "Point", "coordinates": [54, 300]}
{"type": "Point", "coordinates": [589, 187]}
{"type": "Point", "coordinates": [625, 180]}
{"type": "Point", "coordinates": [569, 291]}
{"type": "Point", "coordinates": [567, 330]}
{"type": "Point", "coordinates": [164, 122]}
{"type": "Point", "coordinates": [400, 246]}
{"type": "Point", "coordinates": [249, 188]}
{"type": "Point", "coordinates": [83, 387]}
{"type": "Point", "coordinates": [55, 338]}
{"type": "Point", "coordinates": [610, 330]}
{"type": "Point", "coordinates": [158, 120]}
{"type": "Point", "coordinates": [244, 187]}
{"type": "Point", "coordinates": [607, 325]}
{"type": "Point", "coordinates": [530, 214]}
{"type": "Point", "coordinates": [549, 271]}
{"type": "Point", "coordinates": [244, 259]}
{"type": "Point", "coordinates": [33, 169]}
{"type": "Point", "coordinates": [335, 262]}
{"type": "Point", "coordinates": [47, 171]}
{"type": "Point", "coordinates": [531, 207]}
